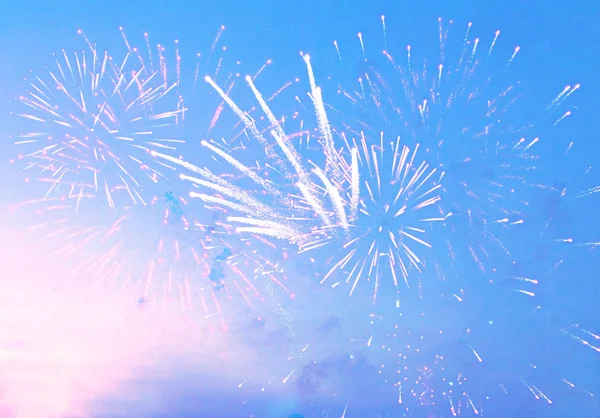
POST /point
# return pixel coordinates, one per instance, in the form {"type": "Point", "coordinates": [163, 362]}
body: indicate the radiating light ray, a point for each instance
{"type": "Point", "coordinates": [246, 203]}
{"type": "Point", "coordinates": [301, 177]}
{"type": "Point", "coordinates": [325, 192]}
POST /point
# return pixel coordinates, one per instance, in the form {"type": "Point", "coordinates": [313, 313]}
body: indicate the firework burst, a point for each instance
{"type": "Point", "coordinates": [266, 207]}
{"type": "Point", "coordinates": [56, 220]}
{"type": "Point", "coordinates": [92, 120]}
{"type": "Point", "coordinates": [466, 122]}
{"type": "Point", "coordinates": [464, 107]}
{"type": "Point", "coordinates": [386, 220]}
{"type": "Point", "coordinates": [455, 115]}
{"type": "Point", "coordinates": [329, 205]}
{"type": "Point", "coordinates": [164, 254]}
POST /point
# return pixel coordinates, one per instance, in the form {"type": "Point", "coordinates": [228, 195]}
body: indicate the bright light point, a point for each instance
{"type": "Point", "coordinates": [207, 79]}
{"type": "Point", "coordinates": [248, 78]}
{"type": "Point", "coordinates": [203, 142]}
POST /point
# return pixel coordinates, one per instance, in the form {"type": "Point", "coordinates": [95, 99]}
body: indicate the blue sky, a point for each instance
{"type": "Point", "coordinates": [558, 47]}
{"type": "Point", "coordinates": [557, 40]}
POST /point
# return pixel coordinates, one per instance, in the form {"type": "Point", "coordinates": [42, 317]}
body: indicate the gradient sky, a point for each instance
{"type": "Point", "coordinates": [69, 352]}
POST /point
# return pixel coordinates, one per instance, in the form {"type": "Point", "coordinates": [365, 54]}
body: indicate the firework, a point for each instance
{"type": "Point", "coordinates": [342, 194]}
{"type": "Point", "coordinates": [365, 204]}
{"type": "Point", "coordinates": [266, 206]}
{"type": "Point", "coordinates": [464, 107]}
{"type": "Point", "coordinates": [91, 121]}
{"type": "Point", "coordinates": [328, 205]}
{"type": "Point", "coordinates": [441, 349]}
{"type": "Point", "coordinates": [495, 354]}
{"type": "Point", "coordinates": [164, 254]}
{"type": "Point", "coordinates": [386, 220]}
{"type": "Point", "coordinates": [469, 122]}
{"type": "Point", "coordinates": [55, 220]}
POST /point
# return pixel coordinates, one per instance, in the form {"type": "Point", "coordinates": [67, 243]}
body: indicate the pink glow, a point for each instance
{"type": "Point", "coordinates": [68, 351]}
{"type": "Point", "coordinates": [63, 346]}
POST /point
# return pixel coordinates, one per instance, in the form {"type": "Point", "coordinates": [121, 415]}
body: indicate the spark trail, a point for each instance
{"type": "Point", "coordinates": [273, 218]}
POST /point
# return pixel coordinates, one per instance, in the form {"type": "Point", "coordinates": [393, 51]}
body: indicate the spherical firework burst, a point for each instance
{"type": "Point", "coordinates": [388, 208]}
{"type": "Point", "coordinates": [90, 122]}
{"type": "Point", "coordinates": [464, 107]}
